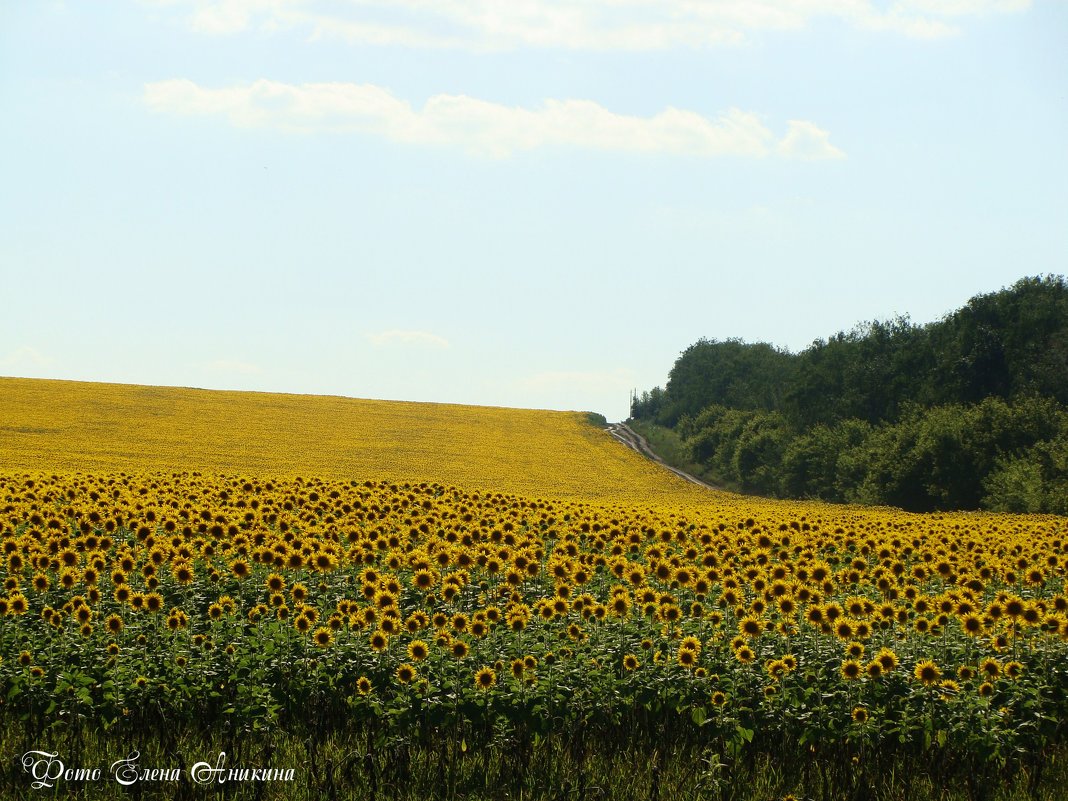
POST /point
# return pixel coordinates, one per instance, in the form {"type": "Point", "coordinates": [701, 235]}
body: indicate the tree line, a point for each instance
{"type": "Point", "coordinates": [968, 412]}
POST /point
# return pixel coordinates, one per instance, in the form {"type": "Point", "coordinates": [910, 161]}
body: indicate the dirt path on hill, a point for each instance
{"type": "Point", "coordinates": [636, 442]}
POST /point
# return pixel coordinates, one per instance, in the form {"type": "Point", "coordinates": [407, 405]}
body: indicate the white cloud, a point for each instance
{"type": "Point", "coordinates": [25, 357]}
{"type": "Point", "coordinates": [482, 127]}
{"type": "Point", "coordinates": [961, 8]}
{"type": "Point", "coordinates": [573, 24]}
{"type": "Point", "coordinates": [410, 338]}
{"type": "Point", "coordinates": [805, 141]}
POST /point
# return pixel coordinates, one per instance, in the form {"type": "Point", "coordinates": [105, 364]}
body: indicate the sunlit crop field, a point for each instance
{"type": "Point", "coordinates": [440, 620]}
{"type": "Point", "coordinates": [73, 426]}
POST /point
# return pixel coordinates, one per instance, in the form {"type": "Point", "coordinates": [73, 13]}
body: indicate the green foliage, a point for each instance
{"type": "Point", "coordinates": [823, 461]}
{"type": "Point", "coordinates": [732, 373]}
{"type": "Point", "coordinates": [758, 453]}
{"type": "Point", "coordinates": [964, 413]}
{"type": "Point", "coordinates": [1035, 482]}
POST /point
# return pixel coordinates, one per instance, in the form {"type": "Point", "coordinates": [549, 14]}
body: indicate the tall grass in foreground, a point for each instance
{"type": "Point", "coordinates": [577, 765]}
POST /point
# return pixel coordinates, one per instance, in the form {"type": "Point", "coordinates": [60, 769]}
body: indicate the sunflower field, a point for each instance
{"type": "Point", "coordinates": [415, 638]}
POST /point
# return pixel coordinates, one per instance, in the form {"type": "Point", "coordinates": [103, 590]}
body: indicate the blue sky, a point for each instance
{"type": "Point", "coordinates": [509, 202]}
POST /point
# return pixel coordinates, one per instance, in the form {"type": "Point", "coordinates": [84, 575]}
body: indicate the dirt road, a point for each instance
{"type": "Point", "coordinates": [635, 441]}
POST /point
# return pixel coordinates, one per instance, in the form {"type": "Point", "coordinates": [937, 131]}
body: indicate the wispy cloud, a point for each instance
{"type": "Point", "coordinates": [25, 357]}
{"type": "Point", "coordinates": [423, 339]}
{"type": "Point", "coordinates": [805, 141]}
{"type": "Point", "coordinates": [482, 127]}
{"type": "Point", "coordinates": [574, 24]}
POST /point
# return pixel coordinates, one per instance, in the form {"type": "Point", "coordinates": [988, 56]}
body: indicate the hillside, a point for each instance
{"type": "Point", "coordinates": [65, 426]}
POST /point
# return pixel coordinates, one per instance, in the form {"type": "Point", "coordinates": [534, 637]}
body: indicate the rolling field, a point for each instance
{"type": "Point", "coordinates": [71, 426]}
{"type": "Point", "coordinates": [420, 601]}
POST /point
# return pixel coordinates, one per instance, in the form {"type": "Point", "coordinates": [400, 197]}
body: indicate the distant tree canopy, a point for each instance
{"type": "Point", "coordinates": [966, 412]}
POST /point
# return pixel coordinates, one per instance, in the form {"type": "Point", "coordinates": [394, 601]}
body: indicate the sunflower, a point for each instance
{"type": "Point", "coordinates": [418, 650]}
{"type": "Point", "coordinates": [275, 583]}
{"type": "Point", "coordinates": [406, 673]}
{"type": "Point", "coordinates": [423, 580]}
{"type": "Point", "coordinates": [379, 640]}
{"type": "Point", "coordinates": [948, 687]}
{"type": "Point", "coordinates": [485, 678]}
{"type": "Point", "coordinates": [686, 658]}
{"type": "Point", "coordinates": [851, 670]}
{"type": "Point", "coordinates": [363, 685]}
{"type": "Point", "coordinates": [240, 568]}
{"type": "Point", "coordinates": [630, 662]}
{"type": "Point", "coordinates": [860, 714]}
{"type": "Point", "coordinates": [844, 629]}
{"type": "Point", "coordinates": [927, 672]}
{"type": "Point", "coordinates": [887, 658]}
{"type": "Point", "coordinates": [971, 624]}
{"type": "Point", "coordinates": [459, 649]}
{"type": "Point", "coordinates": [323, 637]}
{"type": "Point", "coordinates": [1015, 607]}
{"type": "Point", "coordinates": [751, 626]}
{"type": "Point", "coordinates": [182, 572]}
{"type": "Point", "coordinates": [1014, 670]}
{"type": "Point", "coordinates": [990, 668]}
